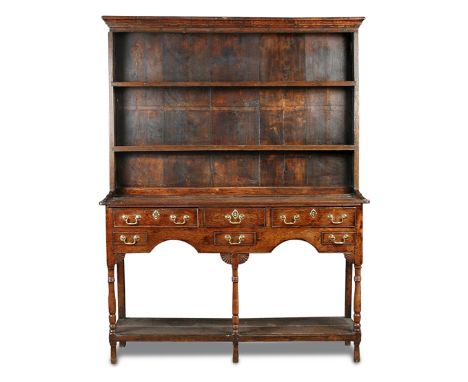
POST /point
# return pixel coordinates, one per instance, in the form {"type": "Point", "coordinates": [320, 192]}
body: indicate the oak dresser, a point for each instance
{"type": "Point", "coordinates": [234, 135]}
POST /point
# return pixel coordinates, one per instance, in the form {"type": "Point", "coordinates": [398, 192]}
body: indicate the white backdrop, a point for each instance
{"type": "Point", "coordinates": [54, 120]}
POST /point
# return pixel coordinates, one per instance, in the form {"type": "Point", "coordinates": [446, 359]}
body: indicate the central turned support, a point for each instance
{"type": "Point", "coordinates": [235, 259]}
{"type": "Point", "coordinates": [235, 308]}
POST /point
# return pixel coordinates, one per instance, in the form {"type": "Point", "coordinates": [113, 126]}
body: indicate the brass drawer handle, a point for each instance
{"type": "Point", "coordinates": [240, 239]}
{"type": "Point", "coordinates": [127, 220]}
{"type": "Point", "coordinates": [332, 238]}
{"type": "Point", "coordinates": [235, 217]}
{"type": "Point", "coordinates": [294, 221]}
{"type": "Point", "coordinates": [185, 218]}
{"type": "Point", "coordinates": [123, 239]}
{"type": "Point", "coordinates": [340, 221]}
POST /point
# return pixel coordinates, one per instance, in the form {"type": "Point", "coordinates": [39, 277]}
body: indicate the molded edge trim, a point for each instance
{"type": "Point", "coordinates": [231, 24]}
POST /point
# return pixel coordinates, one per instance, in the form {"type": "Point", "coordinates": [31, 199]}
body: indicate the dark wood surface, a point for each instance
{"type": "Point", "coordinates": [201, 84]}
{"type": "Point", "coordinates": [201, 57]}
{"type": "Point", "coordinates": [232, 24]}
{"type": "Point", "coordinates": [239, 169]}
{"type": "Point", "coordinates": [174, 329]}
{"type": "Point", "coordinates": [220, 329]}
{"type": "Point", "coordinates": [277, 147]}
{"type": "Point", "coordinates": [234, 135]}
{"type": "Point", "coordinates": [229, 197]}
{"type": "Point", "coordinates": [242, 116]}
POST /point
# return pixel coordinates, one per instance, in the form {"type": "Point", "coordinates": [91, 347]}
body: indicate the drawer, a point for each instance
{"type": "Point", "coordinates": [160, 217]}
{"type": "Point", "coordinates": [234, 217]}
{"type": "Point", "coordinates": [337, 238]}
{"type": "Point", "coordinates": [234, 238]}
{"type": "Point", "coordinates": [313, 217]}
{"type": "Point", "coordinates": [131, 239]}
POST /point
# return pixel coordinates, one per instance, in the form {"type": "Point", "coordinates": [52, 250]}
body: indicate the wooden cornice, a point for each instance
{"type": "Point", "coordinates": [231, 24]}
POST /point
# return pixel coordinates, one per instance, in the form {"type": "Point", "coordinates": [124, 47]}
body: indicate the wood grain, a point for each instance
{"type": "Point", "coordinates": [232, 24]}
{"type": "Point", "coordinates": [211, 84]}
{"type": "Point", "coordinates": [220, 329]}
{"type": "Point", "coordinates": [244, 116]}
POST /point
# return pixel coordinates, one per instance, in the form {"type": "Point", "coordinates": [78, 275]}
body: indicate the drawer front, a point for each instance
{"type": "Point", "coordinates": [313, 217]}
{"type": "Point", "coordinates": [337, 238]}
{"type": "Point", "coordinates": [337, 217]}
{"type": "Point", "coordinates": [235, 217]}
{"type": "Point", "coordinates": [234, 238]}
{"type": "Point", "coordinates": [160, 217]}
{"type": "Point", "coordinates": [130, 239]}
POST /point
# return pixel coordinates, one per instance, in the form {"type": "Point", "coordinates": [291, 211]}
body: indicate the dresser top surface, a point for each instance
{"type": "Point", "coordinates": [204, 200]}
{"type": "Point", "coordinates": [231, 24]}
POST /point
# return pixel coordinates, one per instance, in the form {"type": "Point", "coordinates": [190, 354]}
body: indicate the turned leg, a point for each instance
{"type": "Point", "coordinates": [121, 292]}
{"type": "Point", "coordinates": [357, 311]}
{"type": "Point", "coordinates": [235, 308]}
{"type": "Point", "coordinates": [348, 291]}
{"type": "Point", "coordinates": [235, 259]}
{"type": "Point", "coordinates": [112, 317]}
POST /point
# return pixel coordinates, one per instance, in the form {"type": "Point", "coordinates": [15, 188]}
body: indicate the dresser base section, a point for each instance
{"type": "Point", "coordinates": [250, 329]}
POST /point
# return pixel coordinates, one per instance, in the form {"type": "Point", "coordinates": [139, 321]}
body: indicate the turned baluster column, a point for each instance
{"type": "Point", "coordinates": [348, 287]}
{"type": "Point", "coordinates": [112, 309]}
{"type": "Point", "coordinates": [121, 291]}
{"type": "Point", "coordinates": [111, 260]}
{"type": "Point", "coordinates": [235, 308]}
{"type": "Point", "coordinates": [357, 311]}
{"type": "Point", "coordinates": [358, 257]}
{"type": "Point", "coordinates": [235, 259]}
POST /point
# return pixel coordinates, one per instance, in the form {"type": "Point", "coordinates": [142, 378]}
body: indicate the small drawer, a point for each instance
{"type": "Point", "coordinates": [337, 217]}
{"type": "Point", "coordinates": [337, 238]}
{"type": "Point", "coordinates": [234, 238]}
{"type": "Point", "coordinates": [313, 217]}
{"type": "Point", "coordinates": [294, 217]}
{"type": "Point", "coordinates": [232, 217]}
{"type": "Point", "coordinates": [160, 217]}
{"type": "Point", "coordinates": [131, 239]}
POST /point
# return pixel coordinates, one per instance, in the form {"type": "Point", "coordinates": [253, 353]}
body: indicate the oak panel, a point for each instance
{"type": "Point", "coordinates": [234, 169]}
{"type": "Point", "coordinates": [234, 57]}
{"type": "Point", "coordinates": [138, 56]}
{"type": "Point", "coordinates": [282, 57]}
{"type": "Point", "coordinates": [327, 56]}
{"type": "Point", "coordinates": [150, 57]}
{"type": "Point", "coordinates": [226, 116]}
{"type": "Point", "coordinates": [186, 56]}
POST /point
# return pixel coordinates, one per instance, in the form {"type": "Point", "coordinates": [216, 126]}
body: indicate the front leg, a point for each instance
{"type": "Point", "coordinates": [112, 317]}
{"type": "Point", "coordinates": [121, 290]}
{"type": "Point", "coordinates": [357, 311]}
{"type": "Point", "coordinates": [348, 288]}
{"type": "Point", "coordinates": [111, 260]}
